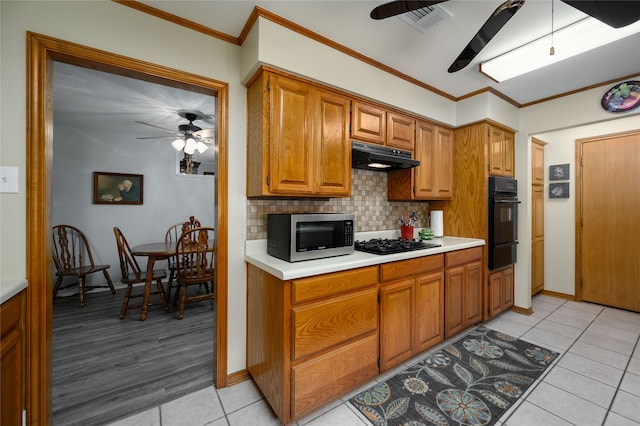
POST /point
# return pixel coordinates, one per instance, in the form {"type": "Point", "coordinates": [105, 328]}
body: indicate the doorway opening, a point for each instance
{"type": "Point", "coordinates": [100, 123]}
{"type": "Point", "coordinates": [42, 52]}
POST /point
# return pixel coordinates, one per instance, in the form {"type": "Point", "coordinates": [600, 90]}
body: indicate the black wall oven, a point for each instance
{"type": "Point", "coordinates": [503, 221]}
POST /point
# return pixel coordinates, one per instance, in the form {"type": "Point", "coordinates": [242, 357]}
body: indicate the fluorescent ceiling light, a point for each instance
{"type": "Point", "coordinates": [579, 37]}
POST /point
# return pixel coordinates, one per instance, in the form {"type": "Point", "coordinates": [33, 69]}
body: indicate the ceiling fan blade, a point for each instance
{"type": "Point", "coordinates": [205, 133]}
{"type": "Point", "coordinates": [173, 132]}
{"type": "Point", "coordinates": [157, 137]}
{"type": "Point", "coordinates": [616, 14]}
{"type": "Point", "coordinates": [496, 21]}
{"type": "Point", "coordinates": [394, 8]}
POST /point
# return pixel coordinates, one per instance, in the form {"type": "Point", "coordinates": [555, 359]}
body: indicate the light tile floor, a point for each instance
{"type": "Point", "coordinates": [595, 381]}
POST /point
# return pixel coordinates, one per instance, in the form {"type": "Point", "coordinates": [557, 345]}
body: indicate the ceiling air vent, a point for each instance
{"type": "Point", "coordinates": [424, 18]}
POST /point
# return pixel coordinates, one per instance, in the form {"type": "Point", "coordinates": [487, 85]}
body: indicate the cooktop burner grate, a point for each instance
{"type": "Point", "coordinates": [390, 246]}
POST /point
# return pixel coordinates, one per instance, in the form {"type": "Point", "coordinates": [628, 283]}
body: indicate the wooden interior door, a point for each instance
{"type": "Point", "coordinates": [608, 254]}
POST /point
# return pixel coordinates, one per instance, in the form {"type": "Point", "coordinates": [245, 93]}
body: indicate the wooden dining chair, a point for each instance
{"type": "Point", "coordinates": [195, 256]}
{"type": "Point", "coordinates": [72, 257]}
{"type": "Point", "coordinates": [172, 235]}
{"type": "Point", "coordinates": [132, 274]}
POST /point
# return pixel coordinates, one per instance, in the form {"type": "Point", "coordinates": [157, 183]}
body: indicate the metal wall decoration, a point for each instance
{"type": "Point", "coordinates": [622, 97]}
{"type": "Point", "coordinates": [559, 190]}
{"type": "Point", "coordinates": [559, 172]}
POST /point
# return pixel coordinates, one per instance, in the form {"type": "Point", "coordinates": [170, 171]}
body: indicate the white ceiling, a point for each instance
{"type": "Point", "coordinates": [426, 56]}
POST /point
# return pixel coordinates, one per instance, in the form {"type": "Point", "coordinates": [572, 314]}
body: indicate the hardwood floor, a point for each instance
{"type": "Point", "coordinates": [105, 368]}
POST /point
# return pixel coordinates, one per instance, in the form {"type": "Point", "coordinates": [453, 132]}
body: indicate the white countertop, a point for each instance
{"type": "Point", "coordinates": [9, 288]}
{"type": "Point", "coordinates": [256, 254]}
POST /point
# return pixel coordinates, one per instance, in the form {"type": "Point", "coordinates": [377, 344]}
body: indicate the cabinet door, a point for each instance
{"type": "Point", "coordinates": [424, 175]}
{"type": "Point", "coordinates": [496, 145]}
{"type": "Point", "coordinates": [495, 293]}
{"type": "Point", "coordinates": [429, 310]}
{"type": "Point", "coordinates": [11, 361]}
{"type": "Point", "coordinates": [508, 155]}
{"type": "Point", "coordinates": [537, 163]}
{"type": "Point", "coordinates": [291, 136]}
{"type": "Point", "coordinates": [400, 131]}
{"type": "Point", "coordinates": [368, 123]}
{"type": "Point", "coordinates": [454, 300]}
{"type": "Point", "coordinates": [472, 294]}
{"type": "Point", "coordinates": [443, 171]}
{"type": "Point", "coordinates": [507, 288]}
{"type": "Point", "coordinates": [537, 240]}
{"type": "Point", "coordinates": [397, 321]}
{"type": "Point", "coordinates": [332, 145]}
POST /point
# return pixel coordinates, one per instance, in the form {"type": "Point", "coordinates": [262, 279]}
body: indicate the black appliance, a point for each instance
{"type": "Point", "coordinates": [390, 246]}
{"type": "Point", "coordinates": [503, 221]}
{"type": "Point", "coordinates": [305, 236]}
{"type": "Point", "coordinates": [380, 158]}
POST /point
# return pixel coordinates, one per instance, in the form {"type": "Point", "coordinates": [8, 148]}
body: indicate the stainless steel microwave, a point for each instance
{"type": "Point", "coordinates": [306, 236]}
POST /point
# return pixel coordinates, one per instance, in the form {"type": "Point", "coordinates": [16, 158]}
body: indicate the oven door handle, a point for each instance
{"type": "Point", "coordinates": [507, 202]}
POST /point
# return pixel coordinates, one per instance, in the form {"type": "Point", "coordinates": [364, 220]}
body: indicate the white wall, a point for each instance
{"type": "Point", "coordinates": [582, 113]}
{"type": "Point", "coordinates": [559, 225]}
{"type": "Point", "coordinates": [291, 51]}
{"type": "Point", "coordinates": [147, 38]}
{"type": "Point", "coordinates": [118, 29]}
{"type": "Point", "coordinates": [168, 198]}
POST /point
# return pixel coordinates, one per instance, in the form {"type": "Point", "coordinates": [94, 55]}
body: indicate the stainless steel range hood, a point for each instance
{"type": "Point", "coordinates": [380, 158]}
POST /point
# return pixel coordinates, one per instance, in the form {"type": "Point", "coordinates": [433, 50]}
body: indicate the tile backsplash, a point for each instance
{"type": "Point", "coordinates": [368, 203]}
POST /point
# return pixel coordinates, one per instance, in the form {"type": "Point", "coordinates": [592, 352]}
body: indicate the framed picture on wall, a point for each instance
{"type": "Point", "coordinates": [117, 188]}
{"type": "Point", "coordinates": [559, 172]}
{"type": "Point", "coordinates": [559, 190]}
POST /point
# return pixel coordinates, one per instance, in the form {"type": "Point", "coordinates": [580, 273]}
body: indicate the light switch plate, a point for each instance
{"type": "Point", "coordinates": [8, 180]}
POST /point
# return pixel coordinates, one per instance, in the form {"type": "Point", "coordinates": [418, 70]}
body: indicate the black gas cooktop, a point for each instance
{"type": "Point", "coordinates": [390, 246]}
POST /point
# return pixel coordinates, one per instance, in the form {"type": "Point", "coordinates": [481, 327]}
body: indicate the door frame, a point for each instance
{"type": "Point", "coordinates": [579, 143]}
{"type": "Point", "coordinates": [42, 51]}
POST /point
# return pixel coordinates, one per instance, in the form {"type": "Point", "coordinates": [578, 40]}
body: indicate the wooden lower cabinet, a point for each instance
{"type": "Point", "coordinates": [463, 289]}
{"type": "Point", "coordinates": [411, 308]}
{"type": "Point", "coordinates": [313, 339]}
{"type": "Point", "coordinates": [310, 340]}
{"type": "Point", "coordinates": [500, 290]}
{"type": "Point", "coordinates": [11, 362]}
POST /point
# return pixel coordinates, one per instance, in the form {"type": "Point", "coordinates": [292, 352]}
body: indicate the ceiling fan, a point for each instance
{"type": "Point", "coordinates": [614, 13]}
{"type": "Point", "coordinates": [189, 137]}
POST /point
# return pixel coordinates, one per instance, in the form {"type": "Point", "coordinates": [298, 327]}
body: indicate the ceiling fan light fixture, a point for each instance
{"type": "Point", "coordinates": [572, 40]}
{"type": "Point", "coordinates": [178, 144]}
{"type": "Point", "coordinates": [201, 147]}
{"type": "Point", "coordinates": [190, 146]}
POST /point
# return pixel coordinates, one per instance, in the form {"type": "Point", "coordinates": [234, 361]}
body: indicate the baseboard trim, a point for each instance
{"type": "Point", "coordinates": [237, 377]}
{"type": "Point", "coordinates": [523, 311]}
{"type": "Point", "coordinates": [558, 295]}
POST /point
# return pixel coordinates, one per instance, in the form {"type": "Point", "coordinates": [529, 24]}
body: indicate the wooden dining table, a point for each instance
{"type": "Point", "coordinates": [153, 251]}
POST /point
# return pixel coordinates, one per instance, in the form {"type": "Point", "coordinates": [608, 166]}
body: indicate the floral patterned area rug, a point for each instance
{"type": "Point", "coordinates": [472, 381]}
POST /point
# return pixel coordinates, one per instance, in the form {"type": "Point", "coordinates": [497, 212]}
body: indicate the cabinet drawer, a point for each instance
{"type": "Point", "coordinates": [11, 315]}
{"type": "Point", "coordinates": [460, 257]}
{"type": "Point", "coordinates": [311, 288]}
{"type": "Point", "coordinates": [406, 268]}
{"type": "Point", "coordinates": [320, 325]}
{"type": "Point", "coordinates": [324, 378]}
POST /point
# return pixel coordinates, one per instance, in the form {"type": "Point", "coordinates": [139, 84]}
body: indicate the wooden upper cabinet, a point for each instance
{"type": "Point", "coordinates": [298, 139]}
{"type": "Point", "coordinates": [537, 162]}
{"type": "Point", "coordinates": [368, 123]}
{"type": "Point", "coordinates": [501, 152]}
{"type": "Point", "coordinates": [400, 131]}
{"type": "Point", "coordinates": [332, 144]}
{"type": "Point", "coordinates": [291, 137]}
{"type": "Point", "coordinates": [433, 178]}
{"type": "Point", "coordinates": [374, 124]}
